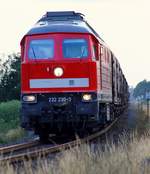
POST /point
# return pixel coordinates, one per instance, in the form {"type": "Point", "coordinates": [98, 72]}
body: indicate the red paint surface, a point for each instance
{"type": "Point", "coordinates": [73, 68]}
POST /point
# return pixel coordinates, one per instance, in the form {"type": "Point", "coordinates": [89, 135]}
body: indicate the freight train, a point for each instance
{"type": "Point", "coordinates": [70, 79]}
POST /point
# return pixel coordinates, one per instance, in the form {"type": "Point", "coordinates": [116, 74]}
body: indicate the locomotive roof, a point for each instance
{"type": "Point", "coordinates": [66, 22]}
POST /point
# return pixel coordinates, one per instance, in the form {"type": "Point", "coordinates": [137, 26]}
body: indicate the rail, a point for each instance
{"type": "Point", "coordinates": [11, 148]}
{"type": "Point", "coordinates": [49, 150]}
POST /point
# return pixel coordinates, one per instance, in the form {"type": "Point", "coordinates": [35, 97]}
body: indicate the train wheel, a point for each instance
{"type": "Point", "coordinates": [108, 115]}
{"type": "Point", "coordinates": [112, 113]}
{"type": "Point", "coordinates": [102, 113]}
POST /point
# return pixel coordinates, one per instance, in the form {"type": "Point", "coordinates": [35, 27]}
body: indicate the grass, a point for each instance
{"type": "Point", "coordinates": [123, 158]}
{"type": "Point", "coordinates": [9, 121]}
{"type": "Point", "coordinates": [144, 109]}
{"type": "Point", "coordinates": [130, 155]}
{"type": "Point", "coordinates": [127, 157]}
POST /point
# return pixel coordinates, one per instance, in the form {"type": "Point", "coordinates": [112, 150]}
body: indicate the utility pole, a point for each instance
{"type": "Point", "coordinates": [141, 102]}
{"type": "Point", "coordinates": [147, 102]}
{"type": "Point", "coordinates": [138, 102]}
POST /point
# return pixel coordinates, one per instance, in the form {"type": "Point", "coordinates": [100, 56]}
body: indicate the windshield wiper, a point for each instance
{"type": "Point", "coordinates": [82, 53]}
{"type": "Point", "coordinates": [33, 52]}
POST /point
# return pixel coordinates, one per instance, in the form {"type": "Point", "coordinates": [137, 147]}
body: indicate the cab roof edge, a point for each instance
{"type": "Point", "coordinates": [62, 15]}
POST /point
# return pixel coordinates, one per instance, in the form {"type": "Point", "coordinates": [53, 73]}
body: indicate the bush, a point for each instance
{"type": "Point", "coordinates": [9, 121]}
{"type": "Point", "coordinates": [10, 78]}
{"type": "Point", "coordinates": [9, 115]}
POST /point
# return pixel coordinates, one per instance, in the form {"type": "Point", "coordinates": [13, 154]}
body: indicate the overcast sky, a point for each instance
{"type": "Point", "coordinates": [123, 24]}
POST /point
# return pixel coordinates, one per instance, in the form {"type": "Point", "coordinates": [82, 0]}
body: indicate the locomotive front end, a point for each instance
{"type": "Point", "coordinates": [59, 82]}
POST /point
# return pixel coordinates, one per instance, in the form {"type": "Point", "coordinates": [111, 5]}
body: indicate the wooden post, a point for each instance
{"type": "Point", "coordinates": [141, 105]}
{"type": "Point", "coordinates": [138, 105]}
{"type": "Point", "coordinates": [147, 107]}
{"type": "Point", "coordinates": [148, 99]}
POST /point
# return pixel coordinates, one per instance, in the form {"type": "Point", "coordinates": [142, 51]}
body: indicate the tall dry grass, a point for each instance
{"type": "Point", "coordinates": [129, 156]}
{"type": "Point", "coordinates": [146, 110]}
{"type": "Point", "coordinates": [143, 107]}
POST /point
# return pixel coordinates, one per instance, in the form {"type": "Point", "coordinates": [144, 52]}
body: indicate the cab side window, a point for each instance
{"type": "Point", "coordinates": [94, 52]}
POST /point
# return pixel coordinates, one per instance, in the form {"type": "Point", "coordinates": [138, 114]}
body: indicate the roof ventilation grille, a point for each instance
{"type": "Point", "coordinates": [62, 16]}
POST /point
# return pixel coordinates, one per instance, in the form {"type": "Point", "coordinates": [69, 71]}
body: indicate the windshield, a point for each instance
{"type": "Point", "coordinates": [41, 49]}
{"type": "Point", "coordinates": [75, 48]}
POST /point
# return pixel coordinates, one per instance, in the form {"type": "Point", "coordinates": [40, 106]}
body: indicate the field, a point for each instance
{"type": "Point", "coordinates": [9, 121]}
{"type": "Point", "coordinates": [128, 157]}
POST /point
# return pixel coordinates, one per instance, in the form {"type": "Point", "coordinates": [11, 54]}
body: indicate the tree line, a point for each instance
{"type": "Point", "coordinates": [10, 78]}
{"type": "Point", "coordinates": [141, 89]}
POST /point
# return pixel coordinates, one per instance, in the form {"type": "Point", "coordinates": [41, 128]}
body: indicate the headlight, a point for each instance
{"type": "Point", "coordinates": [87, 97]}
{"type": "Point", "coordinates": [58, 72]}
{"type": "Point", "coordinates": [29, 98]}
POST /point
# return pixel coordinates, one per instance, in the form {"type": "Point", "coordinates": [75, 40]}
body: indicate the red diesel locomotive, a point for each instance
{"type": "Point", "coordinates": [70, 79]}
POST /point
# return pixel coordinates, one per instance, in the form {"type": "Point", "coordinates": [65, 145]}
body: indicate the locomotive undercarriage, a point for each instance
{"type": "Point", "coordinates": [48, 116]}
{"type": "Point", "coordinates": [53, 116]}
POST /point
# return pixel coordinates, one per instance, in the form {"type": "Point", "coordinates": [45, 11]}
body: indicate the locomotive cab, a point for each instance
{"type": "Point", "coordinates": [59, 84]}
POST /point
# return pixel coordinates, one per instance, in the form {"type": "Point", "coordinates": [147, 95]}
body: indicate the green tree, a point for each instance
{"type": "Point", "coordinates": [1, 68]}
{"type": "Point", "coordinates": [141, 88]}
{"type": "Point", "coordinates": [10, 79]}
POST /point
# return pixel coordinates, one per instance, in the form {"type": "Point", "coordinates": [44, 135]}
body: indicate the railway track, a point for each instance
{"type": "Point", "coordinates": [11, 148]}
{"type": "Point", "coordinates": [44, 151]}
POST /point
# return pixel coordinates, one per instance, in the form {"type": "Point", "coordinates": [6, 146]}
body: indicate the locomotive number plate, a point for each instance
{"type": "Point", "coordinates": [59, 99]}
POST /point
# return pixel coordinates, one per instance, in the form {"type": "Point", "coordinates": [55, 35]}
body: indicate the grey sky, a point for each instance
{"type": "Point", "coordinates": [124, 25]}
